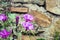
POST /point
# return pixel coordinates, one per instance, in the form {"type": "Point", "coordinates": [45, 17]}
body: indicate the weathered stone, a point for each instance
{"type": "Point", "coordinates": [57, 26]}
{"type": "Point", "coordinates": [32, 38]}
{"type": "Point", "coordinates": [17, 0]}
{"type": "Point", "coordinates": [31, 6]}
{"type": "Point", "coordinates": [53, 6]}
{"type": "Point", "coordinates": [25, 37]}
{"type": "Point", "coordinates": [41, 19]}
{"type": "Point", "coordinates": [51, 30]}
{"type": "Point", "coordinates": [15, 4]}
{"type": "Point", "coordinates": [19, 9]}
{"type": "Point", "coordinates": [40, 2]}
{"type": "Point", "coordinates": [50, 4]}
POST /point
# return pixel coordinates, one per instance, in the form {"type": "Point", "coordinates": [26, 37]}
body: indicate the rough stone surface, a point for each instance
{"type": "Point", "coordinates": [40, 2]}
{"type": "Point", "coordinates": [57, 25]}
{"type": "Point", "coordinates": [50, 4]}
{"type": "Point", "coordinates": [19, 9]}
{"type": "Point", "coordinates": [16, 4]}
{"type": "Point", "coordinates": [53, 6]}
{"type": "Point", "coordinates": [41, 19]}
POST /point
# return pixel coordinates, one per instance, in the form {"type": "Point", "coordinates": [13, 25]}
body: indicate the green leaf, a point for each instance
{"type": "Point", "coordinates": [56, 36]}
{"type": "Point", "coordinates": [11, 38]}
{"type": "Point", "coordinates": [41, 39]}
{"type": "Point", "coordinates": [11, 16]}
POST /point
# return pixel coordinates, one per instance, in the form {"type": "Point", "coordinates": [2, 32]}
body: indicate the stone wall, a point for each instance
{"type": "Point", "coordinates": [46, 20]}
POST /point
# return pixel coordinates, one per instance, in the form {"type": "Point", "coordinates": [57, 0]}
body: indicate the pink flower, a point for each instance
{"type": "Point", "coordinates": [4, 33]}
{"type": "Point", "coordinates": [17, 20]}
{"type": "Point", "coordinates": [3, 17]}
{"type": "Point", "coordinates": [28, 17]}
{"type": "Point", "coordinates": [28, 25]}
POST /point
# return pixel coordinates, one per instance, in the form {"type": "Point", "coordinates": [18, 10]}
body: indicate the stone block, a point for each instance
{"type": "Point", "coordinates": [53, 6]}
{"type": "Point", "coordinates": [19, 9]}
{"type": "Point", "coordinates": [41, 19]}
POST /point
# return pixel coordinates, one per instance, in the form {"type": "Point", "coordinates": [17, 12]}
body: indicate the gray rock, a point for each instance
{"type": "Point", "coordinates": [40, 2]}
{"type": "Point", "coordinates": [16, 4]}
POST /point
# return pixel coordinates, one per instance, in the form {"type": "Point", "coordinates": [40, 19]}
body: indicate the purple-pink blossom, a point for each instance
{"type": "Point", "coordinates": [28, 25]}
{"type": "Point", "coordinates": [4, 33]}
{"type": "Point", "coordinates": [3, 17]}
{"type": "Point", "coordinates": [28, 17]}
{"type": "Point", "coordinates": [17, 20]}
